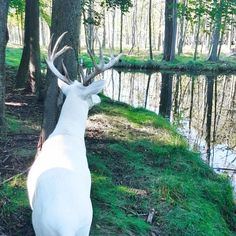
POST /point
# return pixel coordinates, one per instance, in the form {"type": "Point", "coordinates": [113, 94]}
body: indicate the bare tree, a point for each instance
{"type": "Point", "coordinates": [29, 68]}
{"type": "Point", "coordinates": [150, 29]}
{"type": "Point", "coordinates": [216, 33]}
{"type": "Point", "coordinates": [170, 30]}
{"type": "Point", "coordinates": [4, 4]}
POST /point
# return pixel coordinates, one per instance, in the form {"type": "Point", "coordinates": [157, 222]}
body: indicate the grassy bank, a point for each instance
{"type": "Point", "coordinates": [183, 63]}
{"type": "Point", "coordinates": [138, 163]}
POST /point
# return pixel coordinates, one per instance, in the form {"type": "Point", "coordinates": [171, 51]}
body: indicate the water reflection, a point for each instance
{"type": "Point", "coordinates": [203, 107]}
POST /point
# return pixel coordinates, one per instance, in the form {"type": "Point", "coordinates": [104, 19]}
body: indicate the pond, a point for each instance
{"type": "Point", "coordinates": [202, 107]}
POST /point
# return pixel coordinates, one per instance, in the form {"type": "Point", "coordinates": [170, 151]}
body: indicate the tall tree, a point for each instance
{"type": "Point", "coordinates": [4, 4]}
{"type": "Point", "coordinates": [62, 21]}
{"type": "Point", "coordinates": [183, 15]}
{"type": "Point", "coordinates": [29, 70]}
{"type": "Point", "coordinates": [121, 31]}
{"type": "Point", "coordinates": [199, 11]}
{"type": "Point", "coordinates": [170, 30]}
{"type": "Point", "coordinates": [218, 9]}
{"type": "Point", "coordinates": [150, 29]}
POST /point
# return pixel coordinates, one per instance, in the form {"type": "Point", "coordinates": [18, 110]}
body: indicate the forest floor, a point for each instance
{"type": "Point", "coordinates": [141, 167]}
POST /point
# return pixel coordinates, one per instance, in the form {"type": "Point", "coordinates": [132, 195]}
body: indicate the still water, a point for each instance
{"type": "Point", "coordinates": [203, 108]}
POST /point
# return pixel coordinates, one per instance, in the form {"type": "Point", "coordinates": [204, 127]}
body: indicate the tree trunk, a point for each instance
{"type": "Point", "coordinates": [121, 32]}
{"type": "Point", "coordinates": [104, 29]}
{"type": "Point", "coordinates": [222, 32]}
{"type": "Point", "coordinates": [159, 43]}
{"type": "Point", "coordinates": [182, 29]}
{"type": "Point", "coordinates": [91, 27]}
{"type": "Point", "coordinates": [3, 41]}
{"type": "Point", "coordinates": [61, 21]}
{"type": "Point", "coordinates": [23, 70]}
{"type": "Point", "coordinates": [197, 38]}
{"type": "Point", "coordinates": [216, 35]}
{"type": "Point", "coordinates": [170, 30]}
{"type": "Point", "coordinates": [30, 61]}
{"type": "Point", "coordinates": [113, 30]}
{"type": "Point", "coordinates": [150, 29]}
{"type": "Point", "coordinates": [134, 27]}
{"type": "Point", "coordinates": [34, 80]}
{"type": "Point", "coordinates": [173, 43]}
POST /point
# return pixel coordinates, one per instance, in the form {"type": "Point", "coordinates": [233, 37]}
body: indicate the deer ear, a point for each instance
{"type": "Point", "coordinates": [63, 86]}
{"type": "Point", "coordinates": [95, 87]}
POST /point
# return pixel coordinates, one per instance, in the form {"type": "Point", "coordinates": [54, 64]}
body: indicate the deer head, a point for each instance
{"type": "Point", "coordinates": [86, 89]}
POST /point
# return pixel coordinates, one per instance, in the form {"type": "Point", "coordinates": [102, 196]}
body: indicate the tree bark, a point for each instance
{"type": "Point", "coordinates": [182, 29]}
{"type": "Point", "coordinates": [34, 80]}
{"type": "Point", "coordinates": [170, 30]}
{"type": "Point", "coordinates": [104, 29]}
{"type": "Point", "coordinates": [4, 4]}
{"type": "Point", "coordinates": [150, 30]}
{"type": "Point", "coordinates": [216, 34]}
{"type": "Point", "coordinates": [30, 61]}
{"type": "Point", "coordinates": [61, 21]}
{"type": "Point", "coordinates": [23, 70]}
{"type": "Point", "coordinates": [197, 33]}
{"type": "Point", "coordinates": [159, 42]}
{"type": "Point", "coordinates": [121, 32]}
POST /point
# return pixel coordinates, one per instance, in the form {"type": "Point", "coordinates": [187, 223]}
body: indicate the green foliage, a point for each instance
{"type": "Point", "coordinates": [44, 13]}
{"type": "Point", "coordinates": [18, 5]}
{"type": "Point", "coordinates": [124, 5]}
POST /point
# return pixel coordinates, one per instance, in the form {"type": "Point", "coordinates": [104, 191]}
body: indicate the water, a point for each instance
{"type": "Point", "coordinates": [203, 108]}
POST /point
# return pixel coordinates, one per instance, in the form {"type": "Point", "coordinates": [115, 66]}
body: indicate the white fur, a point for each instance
{"type": "Point", "coordinates": [59, 180]}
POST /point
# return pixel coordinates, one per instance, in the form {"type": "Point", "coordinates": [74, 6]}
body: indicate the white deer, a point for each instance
{"type": "Point", "coordinates": [59, 180]}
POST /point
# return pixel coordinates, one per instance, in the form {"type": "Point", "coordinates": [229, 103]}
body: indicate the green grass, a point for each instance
{"type": "Point", "coordinates": [13, 56]}
{"type": "Point", "coordinates": [181, 63]}
{"type": "Point", "coordinates": [189, 198]}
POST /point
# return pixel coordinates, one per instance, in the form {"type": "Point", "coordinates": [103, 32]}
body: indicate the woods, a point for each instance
{"type": "Point", "coordinates": [139, 151]}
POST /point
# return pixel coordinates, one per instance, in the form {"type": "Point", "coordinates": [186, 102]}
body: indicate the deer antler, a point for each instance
{"type": "Point", "coordinates": [101, 67]}
{"type": "Point", "coordinates": [53, 54]}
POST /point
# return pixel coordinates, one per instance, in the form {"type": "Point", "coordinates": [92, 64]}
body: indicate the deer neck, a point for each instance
{"type": "Point", "coordinates": [73, 117]}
